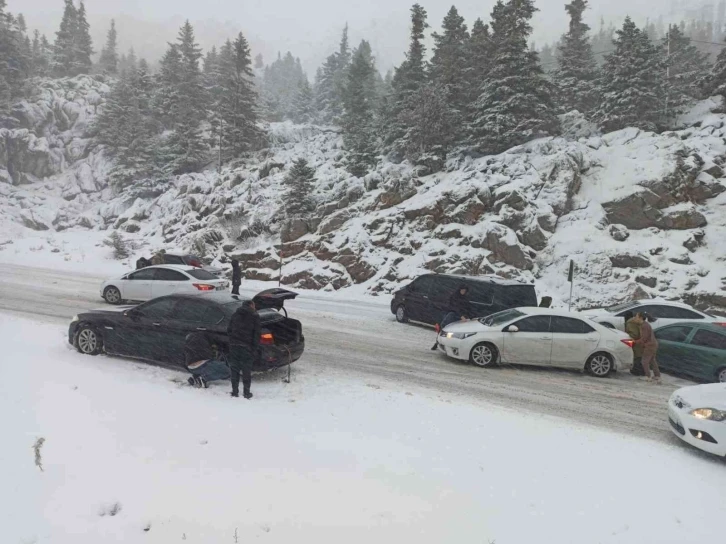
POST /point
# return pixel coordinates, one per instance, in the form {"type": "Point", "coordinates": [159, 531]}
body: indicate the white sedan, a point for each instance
{"type": "Point", "coordinates": [157, 281]}
{"type": "Point", "coordinates": [541, 337]}
{"type": "Point", "coordinates": [697, 415]}
{"type": "Point", "coordinates": [664, 312]}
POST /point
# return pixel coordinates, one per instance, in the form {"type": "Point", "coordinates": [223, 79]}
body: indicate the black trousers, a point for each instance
{"type": "Point", "coordinates": [241, 359]}
{"type": "Point", "coordinates": [235, 288]}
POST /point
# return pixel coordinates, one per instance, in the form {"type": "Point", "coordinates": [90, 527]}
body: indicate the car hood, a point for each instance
{"type": "Point", "coordinates": [704, 396]}
{"type": "Point", "coordinates": [467, 326]}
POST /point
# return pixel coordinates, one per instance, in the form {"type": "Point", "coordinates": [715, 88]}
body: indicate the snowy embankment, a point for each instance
{"type": "Point", "coordinates": [641, 214]}
{"type": "Point", "coordinates": [130, 454]}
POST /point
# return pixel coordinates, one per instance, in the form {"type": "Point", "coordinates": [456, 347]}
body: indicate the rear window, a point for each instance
{"type": "Point", "coordinates": [622, 306]}
{"type": "Point", "coordinates": [193, 260]}
{"type": "Point", "coordinates": [201, 274]}
{"type": "Point", "coordinates": [515, 296]}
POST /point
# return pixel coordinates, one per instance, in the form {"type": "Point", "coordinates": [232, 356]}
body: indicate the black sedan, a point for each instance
{"type": "Point", "coordinates": [156, 329]}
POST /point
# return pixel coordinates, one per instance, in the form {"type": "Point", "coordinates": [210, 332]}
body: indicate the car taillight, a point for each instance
{"type": "Point", "coordinates": [267, 339]}
{"type": "Point", "coordinates": [195, 263]}
{"type": "Point", "coordinates": [721, 324]}
{"type": "Point", "coordinates": [628, 342]}
{"type": "Point", "coordinates": [204, 286]}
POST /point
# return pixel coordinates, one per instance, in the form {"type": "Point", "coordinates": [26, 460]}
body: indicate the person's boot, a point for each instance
{"type": "Point", "coordinates": [190, 381]}
{"type": "Point", "coordinates": [247, 394]}
{"type": "Point", "coordinates": [436, 346]}
{"type": "Point", "coordinates": [234, 393]}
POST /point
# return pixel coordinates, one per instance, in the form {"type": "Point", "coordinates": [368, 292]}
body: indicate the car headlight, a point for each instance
{"type": "Point", "coordinates": [709, 413]}
{"type": "Point", "coordinates": [459, 335]}
{"type": "Point", "coordinates": [75, 318]}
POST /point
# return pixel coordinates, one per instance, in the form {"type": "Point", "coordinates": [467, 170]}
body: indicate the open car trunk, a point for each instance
{"type": "Point", "coordinates": [273, 299]}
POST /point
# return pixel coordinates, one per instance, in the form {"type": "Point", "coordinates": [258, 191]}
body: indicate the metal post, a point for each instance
{"type": "Point", "coordinates": [221, 123]}
{"type": "Point", "coordinates": [282, 236]}
{"type": "Point", "coordinates": [571, 279]}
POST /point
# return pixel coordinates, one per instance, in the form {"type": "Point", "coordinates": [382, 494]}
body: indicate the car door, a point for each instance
{"type": "Point", "coordinates": [709, 348]}
{"type": "Point", "coordinates": [168, 282]}
{"type": "Point", "coordinates": [674, 352]}
{"type": "Point", "coordinates": [137, 285]}
{"type": "Point", "coordinates": [418, 305]}
{"type": "Point", "coordinates": [481, 297]}
{"type": "Point", "coordinates": [189, 315]}
{"type": "Point", "coordinates": [573, 341]}
{"type": "Point", "coordinates": [531, 344]}
{"type": "Point", "coordinates": [138, 333]}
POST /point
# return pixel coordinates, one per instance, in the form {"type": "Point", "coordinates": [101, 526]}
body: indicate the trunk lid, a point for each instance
{"type": "Point", "coordinates": [273, 299]}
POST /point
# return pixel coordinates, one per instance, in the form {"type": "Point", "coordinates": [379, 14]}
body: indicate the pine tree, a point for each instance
{"type": "Point", "coordinates": [516, 103]}
{"type": "Point", "coordinates": [186, 151]}
{"type": "Point", "coordinates": [16, 60]}
{"type": "Point", "coordinates": [240, 132]}
{"type": "Point", "coordinates": [303, 103]}
{"type": "Point", "coordinates": [715, 82]}
{"type": "Point", "coordinates": [259, 63]}
{"type": "Point", "coordinates": [576, 77]}
{"type": "Point", "coordinates": [449, 63]}
{"type": "Point", "coordinates": [299, 184]}
{"type": "Point", "coordinates": [109, 55]}
{"type": "Point", "coordinates": [82, 44]}
{"type": "Point", "coordinates": [430, 126]}
{"type": "Point", "coordinates": [686, 69]}
{"type": "Point", "coordinates": [64, 52]}
{"type": "Point", "coordinates": [408, 80]}
{"type": "Point", "coordinates": [280, 83]}
{"type": "Point", "coordinates": [325, 97]}
{"type": "Point", "coordinates": [359, 100]}
{"type": "Point", "coordinates": [340, 78]}
{"type": "Point", "coordinates": [632, 82]}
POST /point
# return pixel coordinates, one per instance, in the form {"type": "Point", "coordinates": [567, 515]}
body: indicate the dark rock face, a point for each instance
{"type": "Point", "coordinates": [629, 260]}
{"type": "Point", "coordinates": [648, 281]}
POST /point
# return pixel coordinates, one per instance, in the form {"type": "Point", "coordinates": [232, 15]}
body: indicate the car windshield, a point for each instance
{"type": "Point", "coordinates": [622, 306]}
{"type": "Point", "coordinates": [500, 317]}
{"type": "Point", "coordinates": [201, 274]}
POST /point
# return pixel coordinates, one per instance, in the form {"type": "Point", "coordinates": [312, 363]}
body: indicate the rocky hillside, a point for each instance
{"type": "Point", "coordinates": [640, 214]}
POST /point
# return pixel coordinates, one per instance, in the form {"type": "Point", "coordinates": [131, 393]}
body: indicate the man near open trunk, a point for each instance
{"type": "Point", "coordinates": [244, 346]}
{"type": "Point", "coordinates": [632, 328]}
{"type": "Point", "coordinates": [650, 348]}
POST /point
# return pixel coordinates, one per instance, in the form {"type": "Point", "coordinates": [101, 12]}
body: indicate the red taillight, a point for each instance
{"type": "Point", "coordinates": [628, 342]}
{"type": "Point", "coordinates": [195, 263]}
{"type": "Point", "coordinates": [204, 286]}
{"type": "Point", "coordinates": [721, 324]}
{"type": "Point", "coordinates": [267, 339]}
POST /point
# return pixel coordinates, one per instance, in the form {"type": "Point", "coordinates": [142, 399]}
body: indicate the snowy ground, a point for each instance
{"type": "Point", "coordinates": [131, 455]}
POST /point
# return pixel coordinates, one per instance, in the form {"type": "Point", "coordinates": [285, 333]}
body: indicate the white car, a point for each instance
{"type": "Point", "coordinates": [664, 312]}
{"type": "Point", "coordinates": [541, 337]}
{"type": "Point", "coordinates": [160, 280]}
{"type": "Point", "coordinates": [697, 415]}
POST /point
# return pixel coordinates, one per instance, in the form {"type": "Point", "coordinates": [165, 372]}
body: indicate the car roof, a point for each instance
{"type": "Point", "coordinates": [549, 311]}
{"type": "Point", "coordinates": [180, 267]}
{"type": "Point", "coordinates": [699, 324]}
{"type": "Point", "coordinates": [664, 303]}
{"type": "Point", "coordinates": [489, 278]}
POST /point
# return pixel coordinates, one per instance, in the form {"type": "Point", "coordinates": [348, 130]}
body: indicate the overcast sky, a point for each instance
{"type": "Point", "coordinates": [309, 28]}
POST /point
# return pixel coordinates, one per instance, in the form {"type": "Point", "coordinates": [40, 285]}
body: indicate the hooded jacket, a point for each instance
{"type": "Point", "coordinates": [459, 304]}
{"type": "Point", "coordinates": [244, 328]}
{"type": "Point", "coordinates": [236, 274]}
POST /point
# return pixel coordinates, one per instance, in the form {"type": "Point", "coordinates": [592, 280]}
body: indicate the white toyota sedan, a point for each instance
{"type": "Point", "coordinates": [541, 337]}
{"type": "Point", "coordinates": [157, 281]}
{"type": "Point", "coordinates": [697, 415]}
{"type": "Point", "coordinates": [664, 312]}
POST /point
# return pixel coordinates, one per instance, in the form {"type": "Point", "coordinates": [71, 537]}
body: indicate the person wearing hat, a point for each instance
{"type": "Point", "coordinates": [459, 309]}
{"type": "Point", "coordinates": [236, 277]}
{"type": "Point", "coordinates": [244, 346]}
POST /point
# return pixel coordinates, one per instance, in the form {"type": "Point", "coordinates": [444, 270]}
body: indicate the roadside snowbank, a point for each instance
{"type": "Point", "coordinates": [132, 455]}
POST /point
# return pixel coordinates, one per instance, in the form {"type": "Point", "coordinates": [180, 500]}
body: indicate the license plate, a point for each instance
{"type": "Point", "coordinates": [220, 287]}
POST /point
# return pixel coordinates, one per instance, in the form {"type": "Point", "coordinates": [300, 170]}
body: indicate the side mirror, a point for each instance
{"type": "Point", "coordinates": [512, 328]}
{"type": "Point", "coordinates": [133, 313]}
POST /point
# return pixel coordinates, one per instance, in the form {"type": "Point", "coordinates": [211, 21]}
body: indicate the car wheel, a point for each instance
{"type": "Point", "coordinates": [599, 365]}
{"type": "Point", "coordinates": [401, 316]}
{"type": "Point", "coordinates": [112, 295]}
{"type": "Point", "coordinates": [721, 375]}
{"type": "Point", "coordinates": [483, 355]}
{"type": "Point", "coordinates": [88, 341]}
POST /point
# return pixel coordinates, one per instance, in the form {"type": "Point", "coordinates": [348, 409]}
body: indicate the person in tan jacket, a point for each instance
{"type": "Point", "coordinates": [650, 348]}
{"type": "Point", "coordinates": [633, 329]}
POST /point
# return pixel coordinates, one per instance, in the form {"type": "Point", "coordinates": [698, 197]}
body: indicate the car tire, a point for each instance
{"type": "Point", "coordinates": [112, 295]}
{"type": "Point", "coordinates": [401, 315]}
{"type": "Point", "coordinates": [88, 341]}
{"type": "Point", "coordinates": [484, 355]}
{"type": "Point", "coordinates": [600, 365]}
{"type": "Point", "coordinates": [721, 375]}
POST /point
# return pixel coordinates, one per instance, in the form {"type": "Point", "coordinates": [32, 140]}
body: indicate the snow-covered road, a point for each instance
{"type": "Point", "coordinates": [360, 339]}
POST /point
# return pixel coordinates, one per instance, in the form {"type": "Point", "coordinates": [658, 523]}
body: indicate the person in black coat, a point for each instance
{"type": "Point", "coordinates": [236, 277]}
{"type": "Point", "coordinates": [244, 346]}
{"type": "Point", "coordinates": [459, 309]}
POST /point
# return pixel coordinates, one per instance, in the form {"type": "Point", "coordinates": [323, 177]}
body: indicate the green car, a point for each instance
{"type": "Point", "coordinates": [695, 350]}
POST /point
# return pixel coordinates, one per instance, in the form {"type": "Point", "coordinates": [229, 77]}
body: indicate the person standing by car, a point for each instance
{"type": "Point", "coordinates": [650, 348]}
{"type": "Point", "coordinates": [459, 309]}
{"type": "Point", "coordinates": [632, 328]}
{"type": "Point", "coordinates": [236, 277]}
{"type": "Point", "coordinates": [200, 361]}
{"type": "Point", "coordinates": [244, 346]}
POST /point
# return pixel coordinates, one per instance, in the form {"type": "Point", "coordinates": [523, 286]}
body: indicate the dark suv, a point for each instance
{"type": "Point", "coordinates": [426, 299]}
